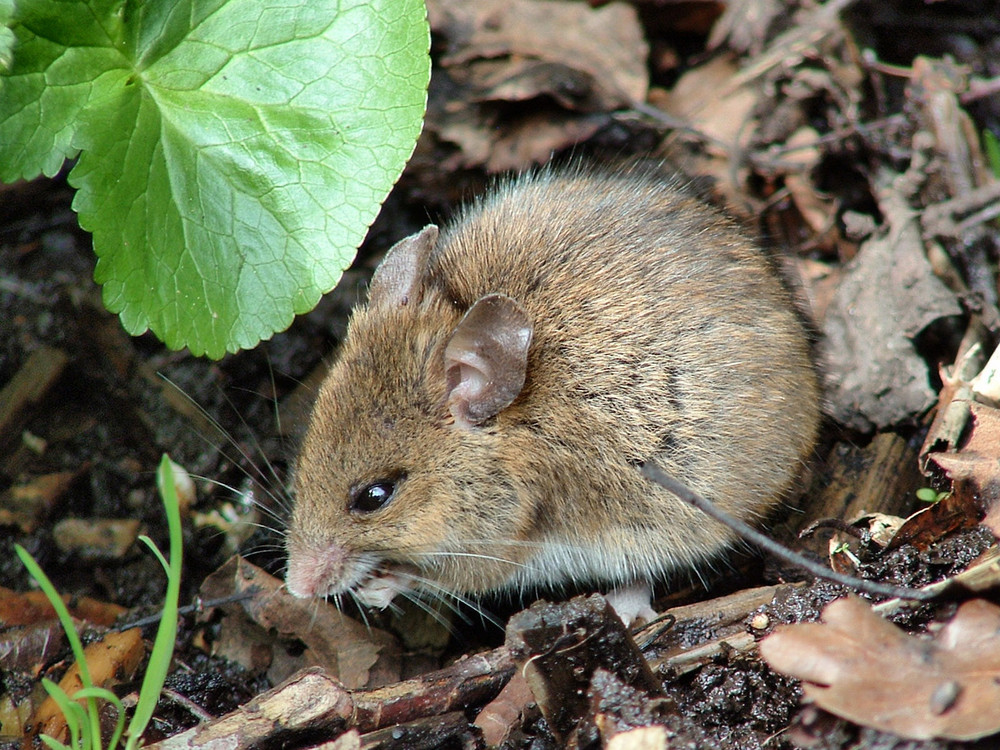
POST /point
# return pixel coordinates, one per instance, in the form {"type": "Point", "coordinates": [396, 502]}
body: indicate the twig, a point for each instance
{"type": "Point", "coordinates": [655, 474]}
{"type": "Point", "coordinates": [198, 606]}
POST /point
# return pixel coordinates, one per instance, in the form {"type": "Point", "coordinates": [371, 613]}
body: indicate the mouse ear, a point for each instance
{"type": "Point", "coordinates": [486, 359]}
{"type": "Point", "coordinates": [399, 276]}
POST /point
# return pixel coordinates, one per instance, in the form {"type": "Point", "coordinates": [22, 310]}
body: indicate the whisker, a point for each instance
{"type": "Point", "coordinates": [448, 597]}
{"type": "Point", "coordinates": [258, 477]}
{"type": "Point", "coordinates": [475, 555]}
{"type": "Point", "coordinates": [362, 610]}
{"type": "Point", "coordinates": [244, 495]}
{"type": "Point", "coordinates": [275, 477]}
{"type": "Point", "coordinates": [433, 612]}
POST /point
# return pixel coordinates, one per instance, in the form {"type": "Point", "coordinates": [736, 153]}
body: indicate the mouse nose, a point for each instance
{"type": "Point", "coordinates": [315, 571]}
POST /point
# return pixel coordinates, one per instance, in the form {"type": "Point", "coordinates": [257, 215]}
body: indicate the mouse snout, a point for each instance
{"type": "Point", "coordinates": [315, 571]}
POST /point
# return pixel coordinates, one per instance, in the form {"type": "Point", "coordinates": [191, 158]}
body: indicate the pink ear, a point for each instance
{"type": "Point", "coordinates": [398, 278]}
{"type": "Point", "coordinates": [486, 359]}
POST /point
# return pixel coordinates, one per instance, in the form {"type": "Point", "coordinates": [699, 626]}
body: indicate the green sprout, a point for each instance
{"type": "Point", "coordinates": [930, 495]}
{"type": "Point", "coordinates": [84, 723]}
{"type": "Point", "coordinates": [991, 145]}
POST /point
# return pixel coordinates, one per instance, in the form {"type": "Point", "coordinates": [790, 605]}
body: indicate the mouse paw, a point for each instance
{"type": "Point", "coordinates": [632, 603]}
{"type": "Point", "coordinates": [380, 588]}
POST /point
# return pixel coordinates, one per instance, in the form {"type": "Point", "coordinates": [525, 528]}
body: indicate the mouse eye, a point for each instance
{"type": "Point", "coordinates": [371, 497]}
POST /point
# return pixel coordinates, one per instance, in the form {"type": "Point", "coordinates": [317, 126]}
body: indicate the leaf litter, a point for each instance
{"type": "Point", "coordinates": [861, 667]}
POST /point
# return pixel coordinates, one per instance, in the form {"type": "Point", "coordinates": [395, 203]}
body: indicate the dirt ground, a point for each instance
{"type": "Point", "coordinates": [853, 136]}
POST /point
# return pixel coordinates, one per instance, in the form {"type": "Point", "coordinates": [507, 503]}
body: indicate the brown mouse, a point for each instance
{"type": "Point", "coordinates": [482, 426]}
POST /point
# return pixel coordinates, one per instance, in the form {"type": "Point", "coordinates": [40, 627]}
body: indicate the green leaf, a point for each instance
{"type": "Point", "coordinates": [59, 50]}
{"type": "Point", "coordinates": [7, 37]}
{"type": "Point", "coordinates": [233, 152]}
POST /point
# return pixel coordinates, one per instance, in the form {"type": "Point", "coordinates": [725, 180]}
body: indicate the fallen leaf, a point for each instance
{"type": "Point", "coordinates": [498, 52]}
{"type": "Point", "coordinates": [110, 661]}
{"type": "Point", "coordinates": [725, 122]}
{"type": "Point", "coordinates": [32, 607]}
{"type": "Point", "coordinates": [975, 467]}
{"type": "Point", "coordinates": [949, 515]}
{"type": "Point", "coordinates": [889, 294]}
{"type": "Point", "coordinates": [880, 528]}
{"type": "Point", "coordinates": [358, 656]}
{"type": "Point", "coordinates": [860, 667]}
{"type": "Point", "coordinates": [600, 66]}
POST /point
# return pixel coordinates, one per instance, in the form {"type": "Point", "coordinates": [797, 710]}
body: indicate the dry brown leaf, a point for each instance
{"type": "Point", "coordinates": [356, 655]}
{"type": "Point", "coordinates": [880, 528]}
{"type": "Point", "coordinates": [860, 667]}
{"type": "Point", "coordinates": [27, 608]}
{"type": "Point", "coordinates": [949, 515]}
{"type": "Point", "coordinates": [111, 660]}
{"type": "Point", "coordinates": [604, 45]}
{"type": "Point", "coordinates": [567, 63]}
{"type": "Point", "coordinates": [975, 468]}
{"type": "Point", "coordinates": [531, 140]}
{"type": "Point", "coordinates": [888, 295]}
{"type": "Point", "coordinates": [725, 121]}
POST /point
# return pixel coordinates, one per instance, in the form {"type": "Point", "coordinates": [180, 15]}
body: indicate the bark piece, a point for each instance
{"type": "Point", "coordinates": [616, 708]}
{"type": "Point", "coordinates": [562, 646]}
{"type": "Point", "coordinates": [313, 704]}
{"type": "Point", "coordinates": [309, 704]}
{"type": "Point", "coordinates": [27, 389]}
{"type": "Point", "coordinates": [448, 730]}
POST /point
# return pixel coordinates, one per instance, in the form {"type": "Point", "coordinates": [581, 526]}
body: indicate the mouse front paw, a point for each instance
{"type": "Point", "coordinates": [381, 587]}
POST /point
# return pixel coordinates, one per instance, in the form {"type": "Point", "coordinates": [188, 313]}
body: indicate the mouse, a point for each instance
{"type": "Point", "coordinates": [482, 427]}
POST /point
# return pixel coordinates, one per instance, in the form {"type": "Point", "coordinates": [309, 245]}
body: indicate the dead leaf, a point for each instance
{"type": "Point", "coordinates": [503, 51]}
{"type": "Point", "coordinates": [975, 468]}
{"type": "Point", "coordinates": [723, 121]}
{"type": "Point", "coordinates": [860, 667]}
{"type": "Point", "coordinates": [111, 660]}
{"type": "Point", "coordinates": [603, 60]}
{"type": "Point", "coordinates": [948, 515]}
{"type": "Point", "coordinates": [880, 528]}
{"type": "Point", "coordinates": [888, 295]}
{"type": "Point", "coordinates": [356, 655]}
{"type": "Point", "coordinates": [28, 608]}
{"type": "Point", "coordinates": [532, 139]}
